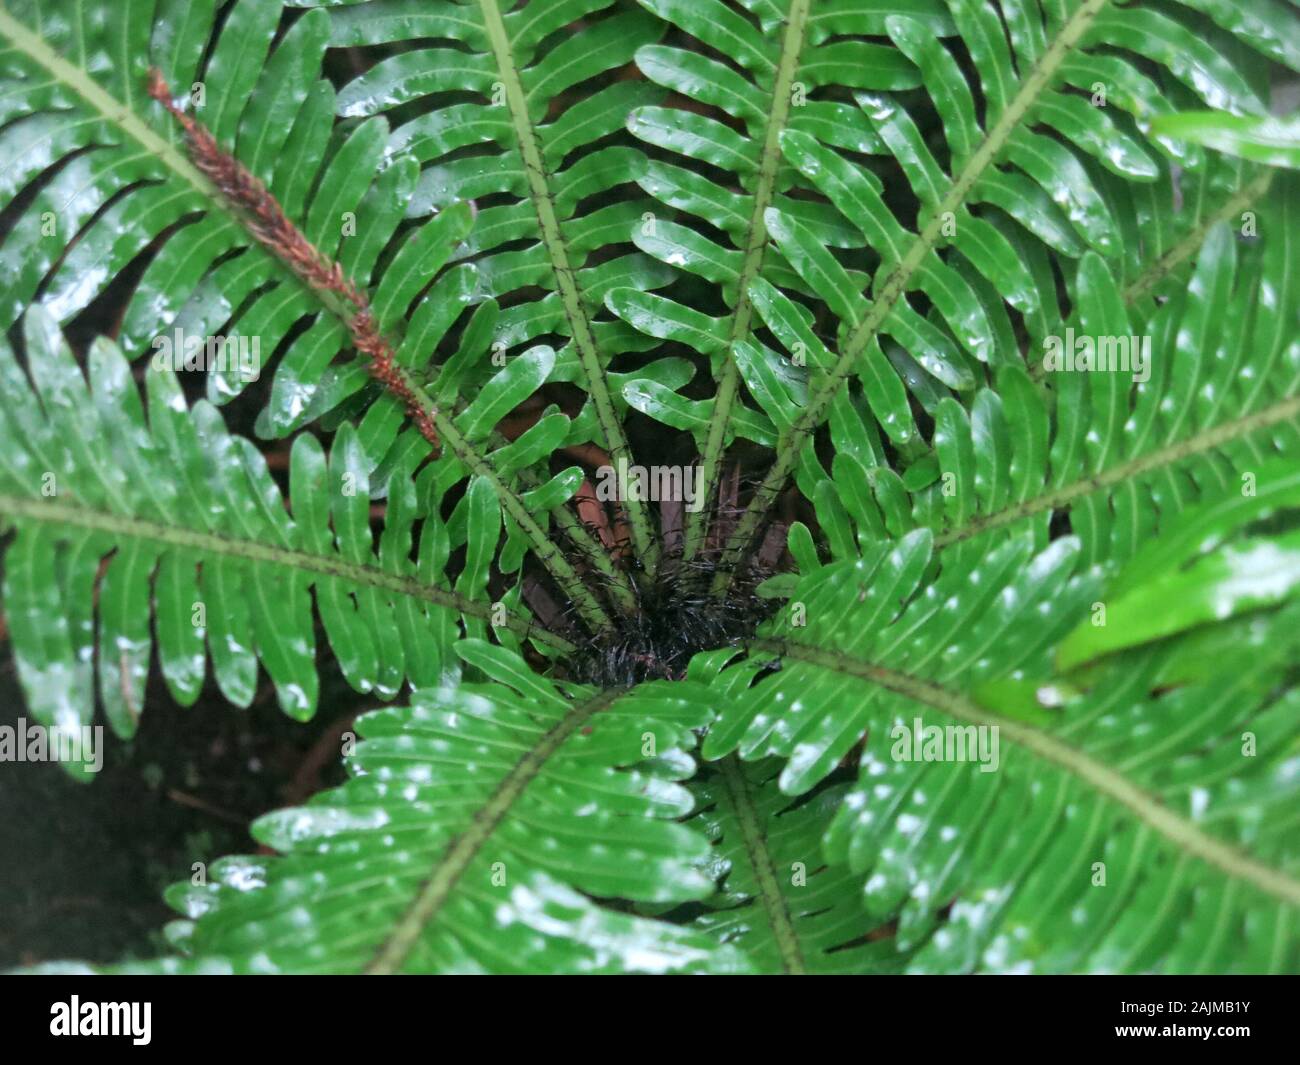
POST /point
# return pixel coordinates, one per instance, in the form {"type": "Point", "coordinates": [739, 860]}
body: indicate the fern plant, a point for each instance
{"type": "Point", "coordinates": [954, 647]}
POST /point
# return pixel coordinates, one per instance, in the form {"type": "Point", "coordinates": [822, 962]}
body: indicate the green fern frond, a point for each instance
{"type": "Point", "coordinates": [779, 66]}
{"type": "Point", "coordinates": [1032, 187]}
{"type": "Point", "coordinates": [203, 274]}
{"type": "Point", "coordinates": [478, 822]}
{"type": "Point", "coordinates": [1220, 405]}
{"type": "Point", "coordinates": [186, 522]}
{"type": "Point", "coordinates": [1119, 805]}
{"type": "Point", "coordinates": [548, 167]}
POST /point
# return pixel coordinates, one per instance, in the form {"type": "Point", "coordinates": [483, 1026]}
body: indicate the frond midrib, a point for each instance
{"type": "Point", "coordinates": [1059, 498]}
{"type": "Point", "coordinates": [760, 861]}
{"type": "Point", "coordinates": [565, 279]}
{"type": "Point", "coordinates": [755, 244]}
{"type": "Point", "coordinates": [211, 544]}
{"type": "Point", "coordinates": [1191, 244]}
{"type": "Point", "coordinates": [442, 880]}
{"type": "Point", "coordinates": [1185, 836]}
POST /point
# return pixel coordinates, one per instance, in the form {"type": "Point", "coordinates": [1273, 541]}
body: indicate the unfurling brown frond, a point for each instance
{"type": "Point", "coordinates": [271, 227]}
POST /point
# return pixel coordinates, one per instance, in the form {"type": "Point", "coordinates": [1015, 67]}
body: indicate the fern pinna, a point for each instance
{"type": "Point", "coordinates": [960, 634]}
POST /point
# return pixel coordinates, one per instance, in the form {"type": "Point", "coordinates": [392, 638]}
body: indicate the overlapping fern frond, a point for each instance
{"type": "Point", "coordinates": [106, 196]}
